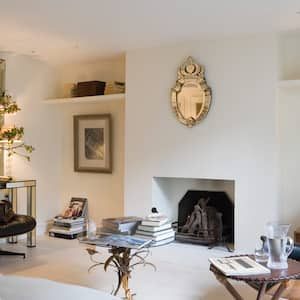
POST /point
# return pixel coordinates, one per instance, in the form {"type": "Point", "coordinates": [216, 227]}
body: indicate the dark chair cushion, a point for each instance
{"type": "Point", "coordinates": [295, 253]}
{"type": "Point", "coordinates": [18, 225]}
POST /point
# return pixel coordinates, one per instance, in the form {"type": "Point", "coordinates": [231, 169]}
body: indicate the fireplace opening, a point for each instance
{"type": "Point", "coordinates": [206, 217]}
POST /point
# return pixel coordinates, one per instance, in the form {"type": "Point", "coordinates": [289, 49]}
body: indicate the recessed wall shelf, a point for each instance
{"type": "Point", "coordinates": [87, 99]}
{"type": "Point", "coordinates": [289, 83]}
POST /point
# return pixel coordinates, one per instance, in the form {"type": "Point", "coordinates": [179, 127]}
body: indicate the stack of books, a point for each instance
{"type": "Point", "coordinates": [121, 225]}
{"type": "Point", "coordinates": [114, 87]}
{"type": "Point", "coordinates": [156, 228]}
{"type": "Point", "coordinates": [72, 222]}
{"type": "Point", "coordinates": [68, 228]}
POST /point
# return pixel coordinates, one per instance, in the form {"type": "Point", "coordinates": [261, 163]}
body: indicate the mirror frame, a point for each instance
{"type": "Point", "coordinates": [190, 73]}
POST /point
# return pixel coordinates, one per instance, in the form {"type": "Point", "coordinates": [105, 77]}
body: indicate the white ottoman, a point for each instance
{"type": "Point", "coordinates": [26, 288]}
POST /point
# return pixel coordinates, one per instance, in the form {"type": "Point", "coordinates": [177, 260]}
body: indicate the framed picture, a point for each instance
{"type": "Point", "coordinates": [92, 143]}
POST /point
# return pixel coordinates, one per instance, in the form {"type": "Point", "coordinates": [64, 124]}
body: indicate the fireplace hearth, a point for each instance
{"type": "Point", "coordinates": [206, 217]}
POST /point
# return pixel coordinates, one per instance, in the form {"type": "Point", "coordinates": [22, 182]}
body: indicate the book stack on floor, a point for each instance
{"type": "Point", "coordinates": [72, 222]}
{"type": "Point", "coordinates": [121, 225]}
{"type": "Point", "coordinates": [158, 229]}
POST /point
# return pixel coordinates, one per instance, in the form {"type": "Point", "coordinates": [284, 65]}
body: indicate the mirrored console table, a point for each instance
{"type": "Point", "coordinates": [12, 186]}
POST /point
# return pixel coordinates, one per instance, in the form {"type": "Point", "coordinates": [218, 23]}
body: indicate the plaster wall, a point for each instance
{"type": "Point", "coordinates": [30, 81]}
{"type": "Point", "coordinates": [237, 140]}
{"type": "Point", "coordinates": [49, 128]}
{"type": "Point", "coordinates": [289, 123]}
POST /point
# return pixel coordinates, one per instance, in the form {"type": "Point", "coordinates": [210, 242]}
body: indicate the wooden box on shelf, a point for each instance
{"type": "Point", "coordinates": [90, 88]}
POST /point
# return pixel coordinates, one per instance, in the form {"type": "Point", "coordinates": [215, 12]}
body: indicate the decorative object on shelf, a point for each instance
{"type": "Point", "coordinates": [114, 87]}
{"type": "Point", "coordinates": [92, 143]}
{"type": "Point", "coordinates": [69, 90]}
{"type": "Point", "coordinates": [191, 96]}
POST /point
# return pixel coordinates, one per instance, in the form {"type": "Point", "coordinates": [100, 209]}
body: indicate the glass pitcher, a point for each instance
{"type": "Point", "coordinates": [280, 245]}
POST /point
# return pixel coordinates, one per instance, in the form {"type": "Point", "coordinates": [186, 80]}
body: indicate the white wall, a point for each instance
{"type": "Point", "coordinates": [289, 124]}
{"type": "Point", "coordinates": [104, 191]}
{"type": "Point", "coordinates": [237, 140]}
{"type": "Point", "coordinates": [30, 81]}
{"type": "Point", "coordinates": [289, 47]}
{"type": "Point", "coordinates": [49, 128]}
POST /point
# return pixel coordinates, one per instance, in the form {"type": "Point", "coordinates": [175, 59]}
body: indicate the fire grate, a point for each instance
{"type": "Point", "coordinates": [207, 218]}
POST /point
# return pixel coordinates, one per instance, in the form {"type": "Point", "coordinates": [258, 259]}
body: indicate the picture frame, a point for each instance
{"type": "Point", "coordinates": [92, 143]}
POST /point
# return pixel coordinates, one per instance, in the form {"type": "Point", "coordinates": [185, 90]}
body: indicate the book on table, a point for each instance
{"type": "Point", "coordinates": [156, 228]}
{"type": "Point", "coordinates": [155, 220]}
{"type": "Point", "coordinates": [121, 224]}
{"type": "Point", "coordinates": [238, 266]}
{"type": "Point", "coordinates": [116, 240]}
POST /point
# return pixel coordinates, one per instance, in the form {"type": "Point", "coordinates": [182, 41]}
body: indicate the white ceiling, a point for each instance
{"type": "Point", "coordinates": [63, 31]}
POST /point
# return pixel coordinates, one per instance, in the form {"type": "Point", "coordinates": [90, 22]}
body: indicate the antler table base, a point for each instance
{"type": "Point", "coordinates": [123, 260]}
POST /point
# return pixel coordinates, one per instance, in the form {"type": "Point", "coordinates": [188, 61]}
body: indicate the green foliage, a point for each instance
{"type": "Point", "coordinates": [12, 136]}
{"type": "Point", "coordinates": [7, 104]}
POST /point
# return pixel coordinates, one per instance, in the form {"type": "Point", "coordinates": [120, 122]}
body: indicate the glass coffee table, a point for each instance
{"type": "Point", "coordinates": [125, 253]}
{"type": "Point", "coordinates": [262, 283]}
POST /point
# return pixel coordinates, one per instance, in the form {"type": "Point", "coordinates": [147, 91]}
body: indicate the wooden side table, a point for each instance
{"type": "Point", "coordinates": [262, 283]}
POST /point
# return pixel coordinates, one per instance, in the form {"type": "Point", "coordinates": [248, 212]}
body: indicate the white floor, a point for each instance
{"type": "Point", "coordinates": [182, 270]}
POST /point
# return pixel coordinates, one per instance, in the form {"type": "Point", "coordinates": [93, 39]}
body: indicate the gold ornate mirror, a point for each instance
{"type": "Point", "coordinates": [191, 96]}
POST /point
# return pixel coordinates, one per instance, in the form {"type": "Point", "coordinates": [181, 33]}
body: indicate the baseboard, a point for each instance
{"type": "Point", "coordinates": [42, 228]}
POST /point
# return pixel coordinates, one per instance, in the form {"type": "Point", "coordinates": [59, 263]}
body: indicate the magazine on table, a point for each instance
{"type": "Point", "coordinates": [238, 266]}
{"type": "Point", "coordinates": [116, 240]}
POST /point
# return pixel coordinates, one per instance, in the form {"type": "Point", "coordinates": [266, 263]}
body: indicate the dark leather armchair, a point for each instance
{"type": "Point", "coordinates": [19, 224]}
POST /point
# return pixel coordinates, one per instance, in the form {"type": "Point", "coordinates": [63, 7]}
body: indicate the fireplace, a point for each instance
{"type": "Point", "coordinates": [206, 217]}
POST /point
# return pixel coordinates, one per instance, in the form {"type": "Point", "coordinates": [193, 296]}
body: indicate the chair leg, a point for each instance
{"type": "Point", "coordinates": [2, 252]}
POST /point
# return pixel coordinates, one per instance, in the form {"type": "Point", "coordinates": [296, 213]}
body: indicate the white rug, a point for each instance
{"type": "Point", "coordinates": [182, 270]}
{"type": "Point", "coordinates": [26, 288]}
